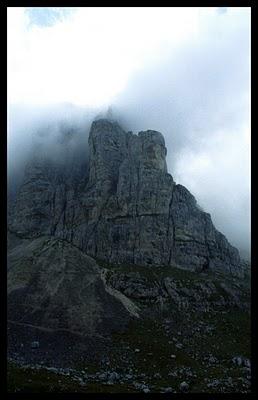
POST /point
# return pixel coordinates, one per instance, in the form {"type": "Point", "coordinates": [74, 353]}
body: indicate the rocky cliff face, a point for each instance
{"type": "Point", "coordinates": [54, 285]}
{"type": "Point", "coordinates": [122, 206]}
{"type": "Point", "coordinates": [93, 285]}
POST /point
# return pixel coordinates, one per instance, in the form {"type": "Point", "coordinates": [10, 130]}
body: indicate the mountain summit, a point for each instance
{"type": "Point", "coordinates": [124, 207]}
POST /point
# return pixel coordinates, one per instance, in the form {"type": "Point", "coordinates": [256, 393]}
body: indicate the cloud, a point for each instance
{"type": "Point", "coordinates": [182, 71]}
{"type": "Point", "coordinates": [58, 132]}
{"type": "Point", "coordinates": [198, 96]}
{"type": "Point", "coordinates": [87, 57]}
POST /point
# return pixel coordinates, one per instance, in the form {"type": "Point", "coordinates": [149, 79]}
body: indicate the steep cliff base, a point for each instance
{"type": "Point", "coordinates": [122, 328]}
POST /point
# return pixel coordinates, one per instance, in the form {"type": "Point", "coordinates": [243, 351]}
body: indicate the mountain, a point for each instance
{"type": "Point", "coordinates": [108, 257]}
{"type": "Point", "coordinates": [124, 208]}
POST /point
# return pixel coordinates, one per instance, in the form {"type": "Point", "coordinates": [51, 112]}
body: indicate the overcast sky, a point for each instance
{"type": "Point", "coordinates": [182, 71]}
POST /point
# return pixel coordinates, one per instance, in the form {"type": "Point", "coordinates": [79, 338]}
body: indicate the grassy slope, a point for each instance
{"type": "Point", "coordinates": [221, 335]}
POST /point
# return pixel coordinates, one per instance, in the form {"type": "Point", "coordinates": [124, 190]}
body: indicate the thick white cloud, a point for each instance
{"type": "Point", "coordinates": [87, 58]}
{"type": "Point", "coordinates": [182, 71]}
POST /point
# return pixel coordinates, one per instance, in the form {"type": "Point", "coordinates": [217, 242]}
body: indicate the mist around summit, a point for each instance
{"type": "Point", "coordinates": [192, 86]}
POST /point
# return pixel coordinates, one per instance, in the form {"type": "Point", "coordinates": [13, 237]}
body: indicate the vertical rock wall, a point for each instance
{"type": "Point", "coordinates": [125, 209]}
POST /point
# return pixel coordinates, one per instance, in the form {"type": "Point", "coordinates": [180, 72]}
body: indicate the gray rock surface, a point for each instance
{"type": "Point", "coordinates": [52, 285]}
{"type": "Point", "coordinates": [123, 208]}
